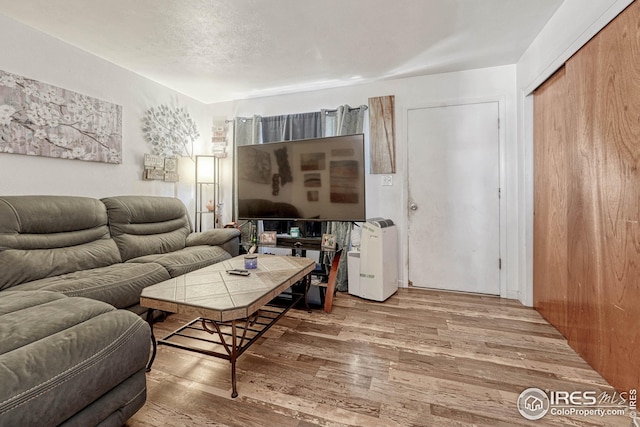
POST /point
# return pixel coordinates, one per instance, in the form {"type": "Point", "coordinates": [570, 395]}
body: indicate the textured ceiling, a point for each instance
{"type": "Point", "coordinates": [219, 50]}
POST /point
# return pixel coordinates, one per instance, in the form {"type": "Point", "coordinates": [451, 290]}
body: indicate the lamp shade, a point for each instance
{"type": "Point", "coordinates": [205, 169]}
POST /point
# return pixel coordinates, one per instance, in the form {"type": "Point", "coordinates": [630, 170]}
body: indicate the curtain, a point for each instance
{"type": "Point", "coordinates": [343, 121]}
{"type": "Point", "coordinates": [291, 126]}
{"type": "Point", "coordinates": [329, 125]}
{"type": "Point", "coordinates": [273, 128]}
{"type": "Point", "coordinates": [350, 120]}
{"type": "Point", "coordinates": [246, 131]}
{"type": "Point", "coordinates": [303, 126]}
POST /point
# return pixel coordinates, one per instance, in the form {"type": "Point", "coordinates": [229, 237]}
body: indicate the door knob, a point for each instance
{"type": "Point", "coordinates": [413, 206]}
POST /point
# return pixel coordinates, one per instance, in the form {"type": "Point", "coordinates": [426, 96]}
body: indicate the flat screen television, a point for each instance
{"type": "Point", "coordinates": [319, 179]}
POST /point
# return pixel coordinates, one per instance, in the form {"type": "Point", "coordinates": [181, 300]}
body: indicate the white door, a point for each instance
{"type": "Point", "coordinates": [454, 206]}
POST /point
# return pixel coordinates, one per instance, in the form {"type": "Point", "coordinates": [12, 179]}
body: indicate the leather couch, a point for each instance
{"type": "Point", "coordinates": [73, 344]}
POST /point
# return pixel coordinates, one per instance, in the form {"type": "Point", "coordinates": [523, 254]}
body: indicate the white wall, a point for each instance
{"type": "Point", "coordinates": [30, 53]}
{"type": "Point", "coordinates": [497, 83]}
{"type": "Point", "coordinates": [573, 24]}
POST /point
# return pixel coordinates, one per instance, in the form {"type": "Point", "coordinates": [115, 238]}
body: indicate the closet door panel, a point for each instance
{"type": "Point", "coordinates": [584, 205]}
{"type": "Point", "coordinates": [550, 201]}
{"type": "Point", "coordinates": [604, 261]}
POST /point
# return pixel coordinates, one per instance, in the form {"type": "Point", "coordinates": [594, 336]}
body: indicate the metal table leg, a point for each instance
{"type": "Point", "coordinates": [153, 339]}
{"type": "Point", "coordinates": [232, 350]}
{"type": "Point", "coordinates": [233, 356]}
{"type": "Point", "coordinates": [307, 286]}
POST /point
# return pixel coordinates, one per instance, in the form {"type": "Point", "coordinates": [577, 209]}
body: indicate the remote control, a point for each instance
{"type": "Point", "coordinates": [239, 272]}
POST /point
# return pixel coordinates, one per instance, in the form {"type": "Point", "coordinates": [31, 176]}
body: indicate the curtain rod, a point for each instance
{"type": "Point", "coordinates": [363, 107]}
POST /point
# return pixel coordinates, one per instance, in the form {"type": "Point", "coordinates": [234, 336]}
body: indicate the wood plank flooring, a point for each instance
{"type": "Point", "coordinates": [422, 358]}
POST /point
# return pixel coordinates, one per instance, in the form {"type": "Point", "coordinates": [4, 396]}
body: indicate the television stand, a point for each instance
{"type": "Point", "coordinates": [298, 245]}
{"type": "Point", "coordinates": [304, 243]}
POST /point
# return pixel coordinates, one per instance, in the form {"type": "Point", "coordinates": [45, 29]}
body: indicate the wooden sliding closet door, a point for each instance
{"type": "Point", "coordinates": [587, 201]}
{"type": "Point", "coordinates": [551, 140]}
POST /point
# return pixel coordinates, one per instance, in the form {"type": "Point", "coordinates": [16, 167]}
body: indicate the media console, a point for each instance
{"type": "Point", "coordinates": [306, 243]}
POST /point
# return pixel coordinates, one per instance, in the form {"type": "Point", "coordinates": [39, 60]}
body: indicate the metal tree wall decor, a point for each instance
{"type": "Point", "coordinates": [171, 132]}
{"type": "Point", "coordinates": [39, 119]}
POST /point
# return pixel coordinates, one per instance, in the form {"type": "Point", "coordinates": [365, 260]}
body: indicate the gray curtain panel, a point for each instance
{"type": "Point", "coordinates": [329, 122]}
{"type": "Point", "coordinates": [291, 126]}
{"type": "Point", "coordinates": [343, 121]}
{"type": "Point", "coordinates": [342, 232]}
{"type": "Point", "coordinates": [304, 125]}
{"type": "Point", "coordinates": [246, 130]}
{"type": "Point", "coordinates": [273, 128]}
{"type": "Point", "coordinates": [350, 120]}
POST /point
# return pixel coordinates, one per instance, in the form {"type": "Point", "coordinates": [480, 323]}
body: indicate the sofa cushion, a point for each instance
{"type": "Point", "coordinates": [116, 407]}
{"type": "Point", "coordinates": [144, 225]}
{"type": "Point", "coordinates": [119, 284]}
{"type": "Point", "coordinates": [44, 236]}
{"type": "Point", "coordinates": [186, 260]}
{"type": "Point", "coordinates": [21, 300]}
{"type": "Point", "coordinates": [53, 369]}
{"type": "Point", "coordinates": [215, 237]}
{"type": "Point", "coordinates": [17, 328]}
{"type": "Point", "coordinates": [227, 238]}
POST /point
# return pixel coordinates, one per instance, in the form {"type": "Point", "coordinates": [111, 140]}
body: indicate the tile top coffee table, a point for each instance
{"type": "Point", "coordinates": [232, 311]}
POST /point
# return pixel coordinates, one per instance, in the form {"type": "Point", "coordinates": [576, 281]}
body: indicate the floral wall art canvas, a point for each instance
{"type": "Point", "coordinates": [39, 119]}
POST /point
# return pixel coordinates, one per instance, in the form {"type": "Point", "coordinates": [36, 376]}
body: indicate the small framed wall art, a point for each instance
{"type": "Point", "coordinates": [328, 242]}
{"type": "Point", "coordinates": [268, 238]}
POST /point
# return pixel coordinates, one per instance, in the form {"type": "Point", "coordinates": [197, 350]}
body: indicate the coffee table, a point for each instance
{"type": "Point", "coordinates": [232, 311]}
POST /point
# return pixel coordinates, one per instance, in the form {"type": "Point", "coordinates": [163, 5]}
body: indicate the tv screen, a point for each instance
{"type": "Point", "coordinates": [320, 179]}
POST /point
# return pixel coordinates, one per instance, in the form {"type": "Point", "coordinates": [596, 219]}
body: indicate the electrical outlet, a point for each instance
{"type": "Point", "coordinates": [387, 179]}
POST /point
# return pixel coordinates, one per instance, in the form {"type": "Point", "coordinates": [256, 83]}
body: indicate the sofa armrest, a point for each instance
{"type": "Point", "coordinates": [216, 237]}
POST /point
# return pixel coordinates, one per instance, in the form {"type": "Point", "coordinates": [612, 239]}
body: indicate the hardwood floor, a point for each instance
{"type": "Point", "coordinates": [423, 358]}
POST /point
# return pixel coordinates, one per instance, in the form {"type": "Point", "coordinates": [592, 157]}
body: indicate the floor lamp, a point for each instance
{"type": "Point", "coordinates": [207, 190]}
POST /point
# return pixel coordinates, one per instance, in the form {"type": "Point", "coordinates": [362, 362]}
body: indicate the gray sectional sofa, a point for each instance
{"type": "Point", "coordinates": [73, 344]}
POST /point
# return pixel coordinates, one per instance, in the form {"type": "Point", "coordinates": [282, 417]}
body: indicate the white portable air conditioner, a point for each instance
{"type": "Point", "coordinates": [378, 277]}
